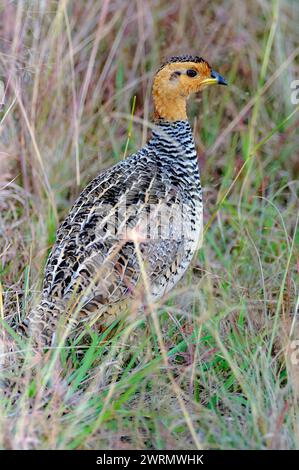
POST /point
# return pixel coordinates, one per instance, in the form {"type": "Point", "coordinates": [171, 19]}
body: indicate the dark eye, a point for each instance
{"type": "Point", "coordinates": [191, 73]}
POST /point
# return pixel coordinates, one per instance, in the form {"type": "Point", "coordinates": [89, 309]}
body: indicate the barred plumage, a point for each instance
{"type": "Point", "coordinates": [151, 202]}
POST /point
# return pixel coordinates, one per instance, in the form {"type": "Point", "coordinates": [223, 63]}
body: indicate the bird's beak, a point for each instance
{"type": "Point", "coordinates": [215, 79]}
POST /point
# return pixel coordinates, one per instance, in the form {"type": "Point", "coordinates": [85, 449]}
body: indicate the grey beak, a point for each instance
{"type": "Point", "coordinates": [220, 79]}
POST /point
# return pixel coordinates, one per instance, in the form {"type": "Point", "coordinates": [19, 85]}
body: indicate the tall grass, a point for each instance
{"type": "Point", "coordinates": [213, 364]}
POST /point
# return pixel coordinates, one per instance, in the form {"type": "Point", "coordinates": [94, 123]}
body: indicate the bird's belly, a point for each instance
{"type": "Point", "coordinates": [174, 272]}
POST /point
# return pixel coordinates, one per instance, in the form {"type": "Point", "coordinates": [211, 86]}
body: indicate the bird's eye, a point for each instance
{"type": "Point", "coordinates": [191, 73]}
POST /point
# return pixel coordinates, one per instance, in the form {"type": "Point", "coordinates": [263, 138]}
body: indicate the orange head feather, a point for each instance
{"type": "Point", "coordinates": [176, 80]}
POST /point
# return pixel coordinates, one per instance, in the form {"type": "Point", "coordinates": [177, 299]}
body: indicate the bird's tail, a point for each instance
{"type": "Point", "coordinates": [12, 352]}
{"type": "Point", "coordinates": [43, 321]}
{"type": "Point", "coordinates": [20, 342]}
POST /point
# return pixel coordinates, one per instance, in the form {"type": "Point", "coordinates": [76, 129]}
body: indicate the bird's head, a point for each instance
{"type": "Point", "coordinates": [176, 80]}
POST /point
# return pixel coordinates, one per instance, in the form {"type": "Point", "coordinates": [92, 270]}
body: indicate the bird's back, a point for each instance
{"type": "Point", "coordinates": [146, 209]}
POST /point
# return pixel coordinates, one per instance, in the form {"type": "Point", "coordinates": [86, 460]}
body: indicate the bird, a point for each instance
{"type": "Point", "coordinates": [141, 217]}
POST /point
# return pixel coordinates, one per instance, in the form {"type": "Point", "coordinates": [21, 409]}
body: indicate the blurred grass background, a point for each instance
{"type": "Point", "coordinates": [226, 374]}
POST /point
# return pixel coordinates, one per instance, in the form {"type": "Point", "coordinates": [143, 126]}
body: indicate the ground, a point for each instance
{"type": "Point", "coordinates": [216, 363]}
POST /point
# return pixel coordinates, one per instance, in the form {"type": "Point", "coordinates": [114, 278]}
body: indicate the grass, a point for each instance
{"type": "Point", "coordinates": [212, 365]}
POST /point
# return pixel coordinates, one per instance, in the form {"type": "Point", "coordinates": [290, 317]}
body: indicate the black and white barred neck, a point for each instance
{"type": "Point", "coordinates": [173, 146]}
{"type": "Point", "coordinates": [175, 142]}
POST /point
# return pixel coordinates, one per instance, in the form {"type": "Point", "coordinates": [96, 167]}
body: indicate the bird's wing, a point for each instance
{"type": "Point", "coordinates": [95, 253]}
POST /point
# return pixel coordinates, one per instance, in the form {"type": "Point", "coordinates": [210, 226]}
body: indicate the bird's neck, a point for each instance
{"type": "Point", "coordinates": [167, 107]}
{"type": "Point", "coordinates": [173, 141]}
{"type": "Point", "coordinates": [175, 111]}
{"type": "Point", "coordinates": [173, 132]}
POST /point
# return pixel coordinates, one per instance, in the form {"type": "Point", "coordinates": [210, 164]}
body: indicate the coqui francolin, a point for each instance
{"type": "Point", "coordinates": [143, 215]}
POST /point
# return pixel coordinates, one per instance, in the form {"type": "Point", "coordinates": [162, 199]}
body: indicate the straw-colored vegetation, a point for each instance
{"type": "Point", "coordinates": [212, 365]}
